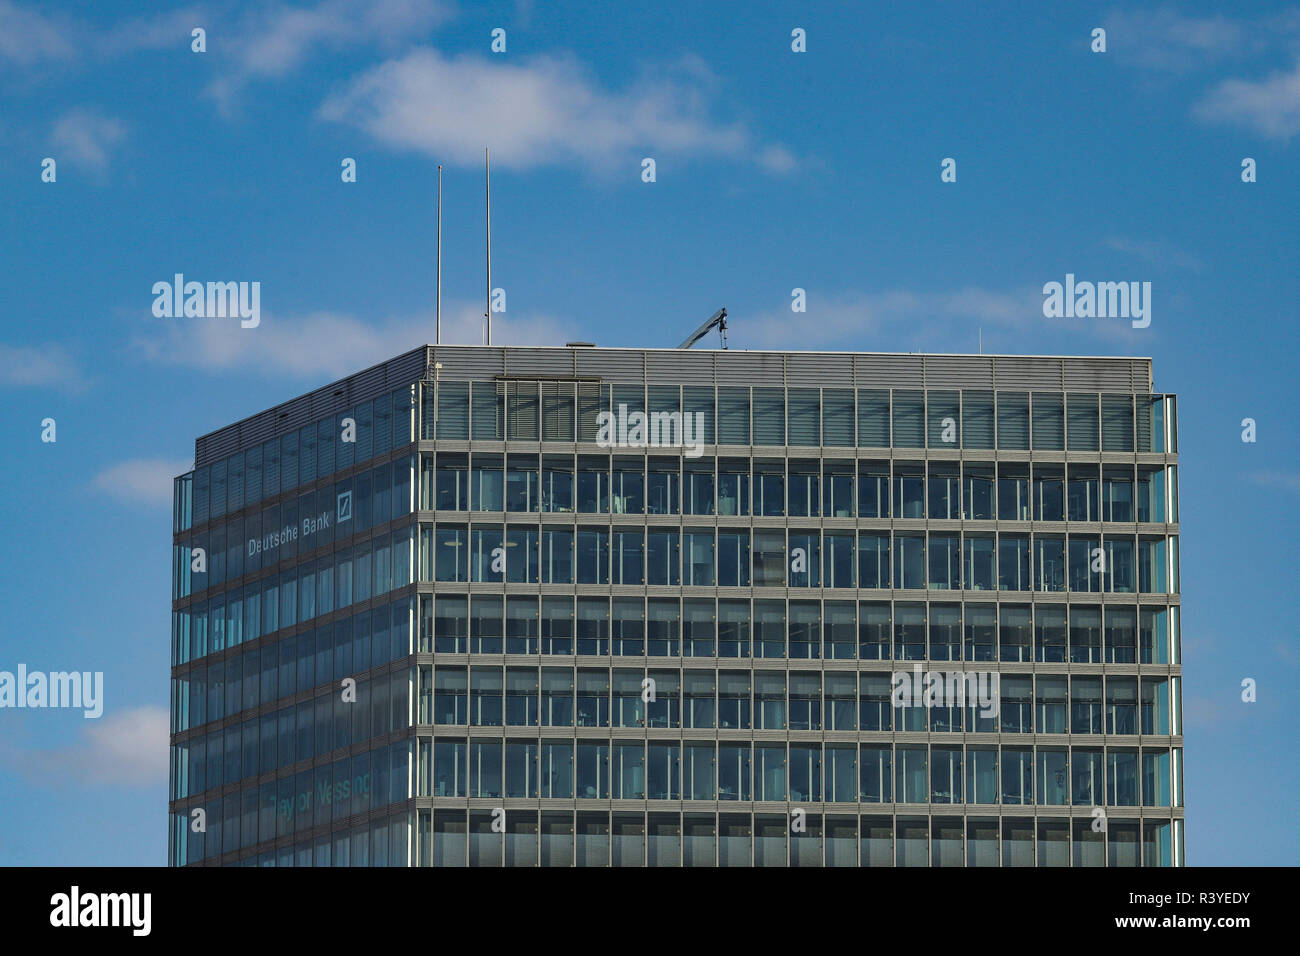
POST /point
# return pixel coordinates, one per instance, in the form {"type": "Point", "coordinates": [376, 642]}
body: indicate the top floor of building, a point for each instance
{"type": "Point", "coordinates": [811, 402]}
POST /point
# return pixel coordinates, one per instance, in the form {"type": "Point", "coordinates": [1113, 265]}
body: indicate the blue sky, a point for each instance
{"type": "Point", "coordinates": [775, 170]}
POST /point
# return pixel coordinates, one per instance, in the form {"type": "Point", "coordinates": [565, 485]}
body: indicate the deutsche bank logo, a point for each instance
{"type": "Point", "coordinates": [345, 507]}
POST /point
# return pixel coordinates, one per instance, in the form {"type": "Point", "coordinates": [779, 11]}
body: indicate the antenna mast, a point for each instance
{"type": "Point", "coordinates": [487, 169]}
{"type": "Point", "coordinates": [437, 334]}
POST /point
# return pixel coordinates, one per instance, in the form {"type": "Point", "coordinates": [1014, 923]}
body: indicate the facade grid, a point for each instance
{"type": "Point", "coordinates": [577, 645]}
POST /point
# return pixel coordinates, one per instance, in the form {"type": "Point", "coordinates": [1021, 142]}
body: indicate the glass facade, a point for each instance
{"type": "Point", "coordinates": [526, 647]}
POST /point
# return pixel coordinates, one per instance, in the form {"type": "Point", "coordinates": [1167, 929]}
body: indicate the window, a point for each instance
{"type": "Point", "coordinates": [697, 401]}
{"type": "Point", "coordinates": [485, 625]}
{"type": "Point", "coordinates": [699, 628]}
{"type": "Point", "coordinates": [557, 411]}
{"type": "Point", "coordinates": [805, 416]}
{"type": "Point", "coordinates": [978, 562]}
{"type": "Point", "coordinates": [945, 562]}
{"type": "Point", "coordinates": [769, 416]}
{"type": "Point", "coordinates": [909, 561]}
{"type": "Point", "coordinates": [698, 490]}
{"type": "Point", "coordinates": [873, 490]}
{"type": "Point", "coordinates": [977, 492]}
{"type": "Point", "coordinates": [1050, 705]}
{"type": "Point", "coordinates": [733, 415]}
{"type": "Point", "coordinates": [805, 630]}
{"type": "Point", "coordinates": [592, 556]}
{"type": "Point", "coordinates": [1084, 494]}
{"type": "Point", "coordinates": [733, 486]}
{"type": "Point", "coordinates": [593, 485]}
{"type": "Point", "coordinates": [1048, 414]}
{"type": "Point", "coordinates": [523, 404]}
{"type": "Point", "coordinates": [663, 486]}
{"type": "Point", "coordinates": [873, 418]}
{"type": "Point", "coordinates": [1050, 633]}
{"type": "Point", "coordinates": [453, 410]}
{"type": "Point", "coordinates": [487, 483]}
{"type": "Point", "coordinates": [945, 491]}
{"type": "Point", "coordinates": [557, 484]}
{"type": "Point", "coordinates": [1013, 420]}
{"type": "Point", "coordinates": [698, 557]}
{"type": "Point", "coordinates": [909, 418]}
{"type": "Point", "coordinates": [804, 497]}
{"type": "Point", "coordinates": [733, 559]}
{"type": "Point", "coordinates": [981, 632]}
{"type": "Point", "coordinates": [663, 561]}
{"type": "Point", "coordinates": [733, 629]}
{"type": "Point", "coordinates": [1013, 563]}
{"type": "Point", "coordinates": [873, 560]}
{"type": "Point", "coordinates": [769, 629]}
{"type": "Point", "coordinates": [837, 489]}
{"type": "Point", "coordinates": [628, 486]}
{"type": "Point", "coordinates": [1117, 423]}
{"type": "Point", "coordinates": [837, 417]}
{"type": "Point", "coordinates": [1082, 426]}
{"type": "Point", "coordinates": [557, 556]}
{"type": "Point", "coordinates": [769, 559]}
{"type": "Point", "coordinates": [977, 428]}
{"type": "Point", "coordinates": [943, 417]}
{"type": "Point", "coordinates": [488, 412]}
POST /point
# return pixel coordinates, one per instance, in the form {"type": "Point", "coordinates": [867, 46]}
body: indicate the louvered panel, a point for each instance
{"type": "Point", "coordinates": [544, 363]}
{"type": "Point", "coordinates": [813, 369]}
{"type": "Point", "coordinates": [679, 366]}
{"type": "Point", "coordinates": [488, 410]}
{"type": "Point", "coordinates": [611, 365]}
{"type": "Point", "coordinates": [366, 385]}
{"type": "Point", "coordinates": [964, 371]}
{"type": "Point", "coordinates": [325, 403]}
{"type": "Point", "coordinates": [466, 363]}
{"type": "Point", "coordinates": [882, 371]}
{"type": "Point", "coordinates": [1099, 375]}
{"type": "Point", "coordinates": [298, 414]}
{"type": "Point", "coordinates": [253, 432]}
{"type": "Point", "coordinates": [1027, 373]}
{"type": "Point", "coordinates": [522, 411]}
{"type": "Point", "coordinates": [590, 405]}
{"type": "Point", "coordinates": [750, 368]}
{"type": "Point", "coordinates": [557, 411]}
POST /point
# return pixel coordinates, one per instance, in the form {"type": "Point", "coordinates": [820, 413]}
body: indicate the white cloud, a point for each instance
{"type": "Point", "coordinates": [146, 481]}
{"type": "Point", "coordinates": [43, 365]}
{"type": "Point", "coordinates": [1269, 107]}
{"type": "Point", "coordinates": [164, 31]}
{"type": "Point", "coordinates": [947, 321]}
{"type": "Point", "coordinates": [1287, 481]}
{"type": "Point", "coordinates": [1165, 39]}
{"type": "Point", "coordinates": [942, 322]}
{"type": "Point", "coordinates": [325, 344]}
{"type": "Point", "coordinates": [275, 40]}
{"type": "Point", "coordinates": [86, 137]}
{"type": "Point", "coordinates": [28, 37]}
{"type": "Point", "coordinates": [124, 749]}
{"type": "Point", "coordinates": [1155, 251]}
{"type": "Point", "coordinates": [539, 112]}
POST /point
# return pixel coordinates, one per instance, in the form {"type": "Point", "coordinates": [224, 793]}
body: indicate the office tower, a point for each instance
{"type": "Point", "coordinates": [580, 606]}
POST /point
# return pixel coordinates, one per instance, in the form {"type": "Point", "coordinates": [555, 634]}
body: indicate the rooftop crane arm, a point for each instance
{"type": "Point", "coordinates": [719, 319]}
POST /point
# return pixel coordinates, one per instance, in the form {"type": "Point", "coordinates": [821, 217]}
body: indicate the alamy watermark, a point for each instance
{"type": "Point", "coordinates": [1098, 300]}
{"type": "Point", "coordinates": [121, 910]}
{"type": "Point", "coordinates": [947, 689]}
{"type": "Point", "coordinates": [71, 689]}
{"type": "Point", "coordinates": [213, 300]}
{"type": "Point", "coordinates": [624, 429]}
